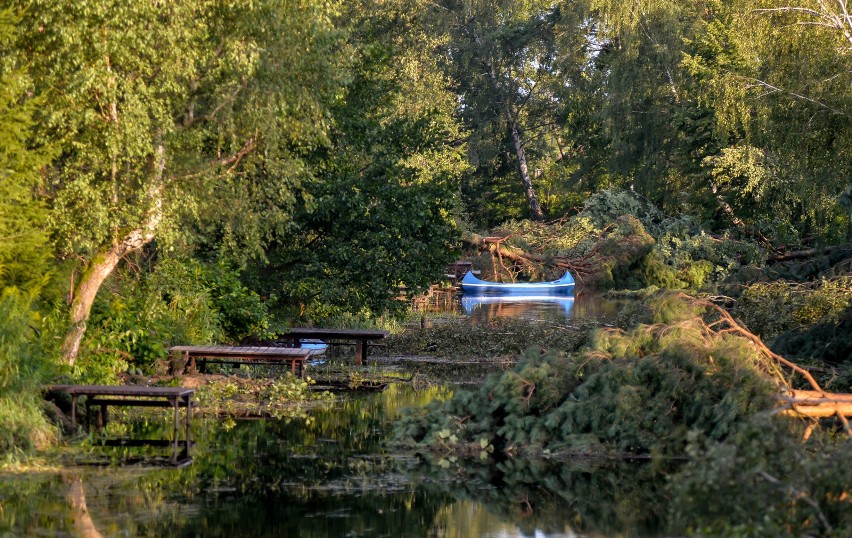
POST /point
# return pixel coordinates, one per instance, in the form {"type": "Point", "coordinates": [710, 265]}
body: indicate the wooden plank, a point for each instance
{"type": "Point", "coordinates": [240, 352]}
{"type": "Point", "coordinates": [122, 390]}
{"type": "Point", "coordinates": [309, 332]}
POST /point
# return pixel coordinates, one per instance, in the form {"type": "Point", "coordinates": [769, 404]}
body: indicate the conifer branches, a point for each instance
{"type": "Point", "coordinates": [816, 403]}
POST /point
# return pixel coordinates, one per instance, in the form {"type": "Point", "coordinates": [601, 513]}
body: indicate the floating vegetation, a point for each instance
{"type": "Point", "coordinates": [501, 337]}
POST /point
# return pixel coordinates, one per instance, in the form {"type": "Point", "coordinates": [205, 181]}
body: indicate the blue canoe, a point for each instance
{"type": "Point", "coordinates": [563, 286]}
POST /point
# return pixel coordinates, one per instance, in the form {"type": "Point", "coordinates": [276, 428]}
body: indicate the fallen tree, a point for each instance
{"type": "Point", "coordinates": [815, 403]}
{"type": "Point", "coordinates": [596, 258]}
{"type": "Point", "coordinates": [691, 373]}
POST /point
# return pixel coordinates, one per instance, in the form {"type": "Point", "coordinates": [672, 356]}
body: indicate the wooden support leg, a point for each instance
{"type": "Point", "coordinates": [188, 399]}
{"type": "Point", "coordinates": [360, 352]}
{"type": "Point", "coordinates": [176, 406]}
{"type": "Point", "coordinates": [73, 412]}
{"type": "Point", "coordinates": [103, 416]}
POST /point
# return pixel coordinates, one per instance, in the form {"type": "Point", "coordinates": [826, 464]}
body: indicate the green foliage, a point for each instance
{"type": "Point", "coordinates": [23, 367]}
{"type": "Point", "coordinates": [515, 67]}
{"type": "Point", "coordinates": [604, 207]}
{"type": "Point", "coordinates": [804, 322]}
{"type": "Point", "coordinates": [765, 483]}
{"type": "Point", "coordinates": [24, 249]}
{"type": "Point", "coordinates": [24, 258]}
{"type": "Point", "coordinates": [200, 88]}
{"type": "Point", "coordinates": [652, 390]}
{"type": "Point", "coordinates": [772, 308]}
{"type": "Point", "coordinates": [381, 205]}
{"type": "Point", "coordinates": [177, 303]}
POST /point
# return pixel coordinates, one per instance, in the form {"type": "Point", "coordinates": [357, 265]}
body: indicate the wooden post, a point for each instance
{"type": "Point", "coordinates": [188, 399]}
{"type": "Point", "coordinates": [174, 402]}
{"type": "Point", "coordinates": [360, 351]}
{"type": "Point", "coordinates": [73, 413]}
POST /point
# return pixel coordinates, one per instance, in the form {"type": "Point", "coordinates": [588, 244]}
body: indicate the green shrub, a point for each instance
{"type": "Point", "coordinates": [184, 302]}
{"type": "Point", "coordinates": [23, 367]}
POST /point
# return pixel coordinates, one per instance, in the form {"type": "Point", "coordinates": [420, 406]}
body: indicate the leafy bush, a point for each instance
{"type": "Point", "coordinates": [178, 303]}
{"type": "Point", "coordinates": [23, 367]}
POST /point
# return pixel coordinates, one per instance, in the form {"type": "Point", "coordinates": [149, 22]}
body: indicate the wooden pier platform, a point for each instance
{"type": "Point", "coordinates": [104, 396]}
{"type": "Point", "coordinates": [237, 355]}
{"type": "Point", "coordinates": [362, 338]}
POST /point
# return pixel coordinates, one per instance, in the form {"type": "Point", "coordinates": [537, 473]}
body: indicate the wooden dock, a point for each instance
{"type": "Point", "coordinates": [237, 355]}
{"type": "Point", "coordinates": [104, 396]}
{"type": "Point", "coordinates": [362, 338]}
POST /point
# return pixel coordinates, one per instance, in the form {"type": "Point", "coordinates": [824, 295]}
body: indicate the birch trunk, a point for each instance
{"type": "Point", "coordinates": [523, 170]}
{"type": "Point", "coordinates": [103, 263]}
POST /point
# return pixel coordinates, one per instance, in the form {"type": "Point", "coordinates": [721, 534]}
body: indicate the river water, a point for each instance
{"type": "Point", "coordinates": [330, 475]}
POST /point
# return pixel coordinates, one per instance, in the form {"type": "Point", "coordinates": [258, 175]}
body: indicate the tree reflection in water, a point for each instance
{"type": "Point", "coordinates": [331, 476]}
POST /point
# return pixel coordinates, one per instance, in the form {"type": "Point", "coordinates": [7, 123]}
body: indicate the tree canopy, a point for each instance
{"type": "Point", "coordinates": [309, 158]}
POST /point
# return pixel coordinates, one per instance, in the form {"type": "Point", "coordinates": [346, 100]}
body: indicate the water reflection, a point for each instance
{"type": "Point", "coordinates": [517, 306]}
{"type": "Point", "coordinates": [484, 308]}
{"type": "Point", "coordinates": [327, 476]}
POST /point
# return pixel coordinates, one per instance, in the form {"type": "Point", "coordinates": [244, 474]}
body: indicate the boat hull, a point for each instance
{"type": "Point", "coordinates": [474, 286]}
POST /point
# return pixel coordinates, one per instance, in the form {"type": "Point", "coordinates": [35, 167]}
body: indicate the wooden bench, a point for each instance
{"type": "Point", "coordinates": [362, 338]}
{"type": "Point", "coordinates": [237, 355]}
{"type": "Point", "coordinates": [135, 396]}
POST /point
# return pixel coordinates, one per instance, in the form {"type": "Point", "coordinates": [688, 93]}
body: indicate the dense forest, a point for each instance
{"type": "Point", "coordinates": [207, 171]}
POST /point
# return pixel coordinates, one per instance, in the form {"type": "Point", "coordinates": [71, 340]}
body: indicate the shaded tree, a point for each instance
{"type": "Point", "coordinates": [161, 108]}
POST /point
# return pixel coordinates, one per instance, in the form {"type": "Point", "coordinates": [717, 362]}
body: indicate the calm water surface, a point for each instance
{"type": "Point", "coordinates": [330, 476]}
{"type": "Point", "coordinates": [482, 308]}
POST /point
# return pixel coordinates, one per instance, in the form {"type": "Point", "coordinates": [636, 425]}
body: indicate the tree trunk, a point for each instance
{"type": "Point", "coordinates": [90, 282]}
{"type": "Point", "coordinates": [814, 404]}
{"type": "Point", "coordinates": [523, 170]}
{"type": "Point", "coordinates": [106, 261]}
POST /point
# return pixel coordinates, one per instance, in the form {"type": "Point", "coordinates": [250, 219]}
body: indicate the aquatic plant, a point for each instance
{"type": "Point", "coordinates": [501, 337]}
{"type": "Point", "coordinates": [285, 396]}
